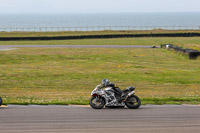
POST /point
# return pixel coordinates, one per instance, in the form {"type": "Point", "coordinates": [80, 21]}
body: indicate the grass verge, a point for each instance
{"type": "Point", "coordinates": [67, 76]}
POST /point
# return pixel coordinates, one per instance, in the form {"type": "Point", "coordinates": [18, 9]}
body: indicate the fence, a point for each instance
{"type": "Point", "coordinates": [97, 28]}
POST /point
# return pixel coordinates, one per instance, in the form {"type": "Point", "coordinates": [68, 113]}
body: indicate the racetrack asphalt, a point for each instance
{"type": "Point", "coordinates": [84, 119]}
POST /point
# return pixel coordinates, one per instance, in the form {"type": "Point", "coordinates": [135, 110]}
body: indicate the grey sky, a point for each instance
{"type": "Point", "coordinates": [97, 6]}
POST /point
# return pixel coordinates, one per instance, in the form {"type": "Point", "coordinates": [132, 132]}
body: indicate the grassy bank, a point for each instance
{"type": "Point", "coordinates": [67, 76]}
{"type": "Point", "coordinates": [79, 33]}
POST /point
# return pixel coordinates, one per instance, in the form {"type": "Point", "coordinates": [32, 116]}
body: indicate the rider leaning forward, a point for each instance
{"type": "Point", "coordinates": [106, 83]}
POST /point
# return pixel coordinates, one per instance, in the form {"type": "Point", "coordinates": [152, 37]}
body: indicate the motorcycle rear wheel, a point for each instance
{"type": "Point", "coordinates": [133, 102]}
{"type": "Point", "coordinates": [96, 103]}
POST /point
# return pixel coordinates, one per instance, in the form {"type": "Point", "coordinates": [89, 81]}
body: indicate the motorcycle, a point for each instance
{"type": "Point", "coordinates": [108, 97]}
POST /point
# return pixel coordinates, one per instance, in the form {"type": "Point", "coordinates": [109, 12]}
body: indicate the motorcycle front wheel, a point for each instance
{"type": "Point", "coordinates": [97, 102]}
{"type": "Point", "coordinates": [133, 102]}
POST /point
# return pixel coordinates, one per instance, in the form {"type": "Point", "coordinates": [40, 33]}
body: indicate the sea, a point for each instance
{"type": "Point", "coordinates": [99, 19]}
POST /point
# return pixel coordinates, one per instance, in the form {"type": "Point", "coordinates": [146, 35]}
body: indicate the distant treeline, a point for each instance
{"type": "Point", "coordinates": [100, 36]}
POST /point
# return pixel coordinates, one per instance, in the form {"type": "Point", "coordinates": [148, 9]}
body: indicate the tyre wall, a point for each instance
{"type": "Point", "coordinates": [99, 36]}
{"type": "Point", "coordinates": [192, 53]}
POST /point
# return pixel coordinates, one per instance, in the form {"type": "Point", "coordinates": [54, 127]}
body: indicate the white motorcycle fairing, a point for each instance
{"type": "Point", "coordinates": [109, 96]}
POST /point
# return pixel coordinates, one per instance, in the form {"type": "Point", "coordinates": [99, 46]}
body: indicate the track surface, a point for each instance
{"type": "Point", "coordinates": [78, 119]}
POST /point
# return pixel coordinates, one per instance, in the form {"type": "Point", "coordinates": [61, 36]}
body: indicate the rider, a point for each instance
{"type": "Point", "coordinates": [106, 83]}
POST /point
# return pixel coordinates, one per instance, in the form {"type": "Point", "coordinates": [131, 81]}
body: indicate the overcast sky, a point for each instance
{"type": "Point", "coordinates": [98, 6]}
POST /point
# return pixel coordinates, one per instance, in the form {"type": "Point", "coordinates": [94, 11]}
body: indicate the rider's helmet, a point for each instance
{"type": "Point", "coordinates": [105, 82]}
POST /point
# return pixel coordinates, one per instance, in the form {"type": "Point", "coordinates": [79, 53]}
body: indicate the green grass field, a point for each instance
{"type": "Point", "coordinates": [67, 76]}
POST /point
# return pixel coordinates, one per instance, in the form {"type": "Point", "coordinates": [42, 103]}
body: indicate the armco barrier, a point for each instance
{"type": "Point", "coordinates": [193, 54]}
{"type": "Point", "coordinates": [100, 36]}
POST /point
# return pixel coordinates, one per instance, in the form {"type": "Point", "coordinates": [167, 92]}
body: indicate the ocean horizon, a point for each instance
{"type": "Point", "coordinates": [100, 19]}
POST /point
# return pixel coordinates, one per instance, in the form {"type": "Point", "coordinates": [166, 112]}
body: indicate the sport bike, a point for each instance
{"type": "Point", "coordinates": [108, 97]}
